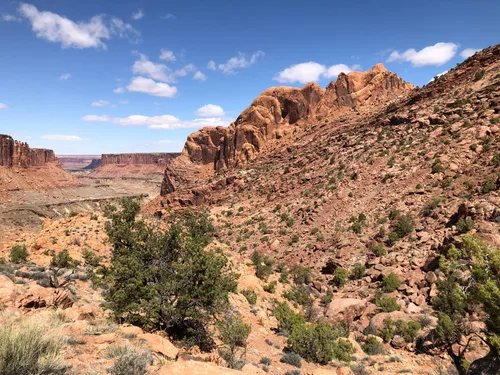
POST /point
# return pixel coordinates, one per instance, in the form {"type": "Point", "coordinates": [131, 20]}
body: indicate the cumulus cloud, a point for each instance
{"type": "Point", "coordinates": [164, 122]}
{"type": "Point", "coordinates": [65, 77]}
{"type": "Point", "coordinates": [58, 137]}
{"type": "Point", "coordinates": [119, 90]}
{"type": "Point", "coordinates": [199, 76]}
{"type": "Point", "coordinates": [167, 55]}
{"type": "Point", "coordinates": [239, 62]}
{"type": "Point", "coordinates": [312, 72]}
{"type": "Point", "coordinates": [210, 110]}
{"type": "Point", "coordinates": [100, 103]}
{"type": "Point", "coordinates": [138, 15]}
{"type": "Point", "coordinates": [3, 106]}
{"type": "Point", "coordinates": [85, 34]}
{"type": "Point", "coordinates": [151, 87]}
{"type": "Point", "coordinates": [10, 18]}
{"type": "Point", "coordinates": [168, 16]}
{"type": "Point", "coordinates": [144, 66]}
{"type": "Point", "coordinates": [211, 65]}
{"type": "Point", "coordinates": [438, 54]}
{"type": "Point", "coordinates": [123, 102]}
{"type": "Point", "coordinates": [468, 52]}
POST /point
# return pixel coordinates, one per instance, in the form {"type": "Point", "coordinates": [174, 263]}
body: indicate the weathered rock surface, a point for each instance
{"type": "Point", "coordinates": [161, 158]}
{"type": "Point", "coordinates": [19, 154]}
{"type": "Point", "coordinates": [275, 114]}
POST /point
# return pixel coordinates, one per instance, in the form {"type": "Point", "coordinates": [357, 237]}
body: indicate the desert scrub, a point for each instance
{"type": "Point", "coordinates": [292, 359]}
{"type": "Point", "coordinates": [390, 283]}
{"type": "Point", "coordinates": [30, 347]}
{"type": "Point", "coordinates": [372, 346]}
{"type": "Point", "coordinates": [132, 363]}
{"type": "Point", "coordinates": [250, 295]}
{"type": "Point", "coordinates": [18, 254]}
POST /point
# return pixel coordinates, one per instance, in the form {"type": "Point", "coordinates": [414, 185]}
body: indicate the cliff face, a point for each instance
{"type": "Point", "coordinates": [19, 154]}
{"type": "Point", "coordinates": [275, 114]}
{"type": "Point", "coordinates": [160, 159]}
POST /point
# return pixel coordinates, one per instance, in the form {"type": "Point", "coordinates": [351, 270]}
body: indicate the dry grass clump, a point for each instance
{"type": "Point", "coordinates": [27, 347]}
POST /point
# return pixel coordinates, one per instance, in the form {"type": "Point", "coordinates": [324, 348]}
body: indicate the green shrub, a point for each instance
{"type": "Point", "coordinates": [408, 331]}
{"type": "Point", "coordinates": [271, 287]}
{"type": "Point", "coordinates": [292, 372]}
{"type": "Point", "coordinates": [27, 347]}
{"type": "Point", "coordinates": [91, 259]}
{"type": "Point", "coordinates": [437, 167]}
{"type": "Point", "coordinates": [489, 186]}
{"type": "Point", "coordinates": [299, 294]}
{"type": "Point", "coordinates": [18, 254]}
{"type": "Point", "coordinates": [463, 226]}
{"type": "Point", "coordinates": [166, 278]}
{"type": "Point", "coordinates": [73, 214]}
{"type": "Point", "coordinates": [387, 304]}
{"type": "Point", "coordinates": [390, 283]}
{"type": "Point", "coordinates": [339, 277]}
{"type": "Point", "coordinates": [404, 225]}
{"type": "Point", "coordinates": [263, 265]}
{"type": "Point", "coordinates": [302, 275]}
{"type": "Point", "coordinates": [495, 160]}
{"type": "Point", "coordinates": [266, 361]}
{"type": "Point", "coordinates": [358, 272]}
{"type": "Point", "coordinates": [379, 249]}
{"type": "Point", "coordinates": [479, 75]}
{"type": "Point", "coordinates": [431, 206]}
{"type": "Point", "coordinates": [283, 274]}
{"type": "Point", "coordinates": [319, 343]}
{"type": "Point", "coordinates": [62, 260]}
{"type": "Point", "coordinates": [287, 318]}
{"type": "Point", "coordinates": [292, 359]}
{"type": "Point", "coordinates": [372, 346]}
{"type": "Point", "coordinates": [250, 295]}
{"type": "Point", "coordinates": [233, 332]}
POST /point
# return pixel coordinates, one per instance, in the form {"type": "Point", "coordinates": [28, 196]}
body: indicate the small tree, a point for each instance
{"type": "Point", "coordinates": [233, 332]}
{"type": "Point", "coordinates": [166, 279]}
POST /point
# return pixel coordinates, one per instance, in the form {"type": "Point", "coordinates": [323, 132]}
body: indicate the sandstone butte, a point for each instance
{"type": "Point", "coordinates": [19, 154]}
{"type": "Point", "coordinates": [274, 116]}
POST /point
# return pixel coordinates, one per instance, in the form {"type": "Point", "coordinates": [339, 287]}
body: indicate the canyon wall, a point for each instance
{"type": "Point", "coordinates": [19, 154]}
{"type": "Point", "coordinates": [275, 115]}
{"type": "Point", "coordinates": [159, 158]}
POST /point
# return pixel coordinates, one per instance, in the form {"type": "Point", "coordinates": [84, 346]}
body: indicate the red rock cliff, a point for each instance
{"type": "Point", "coordinates": [275, 114]}
{"type": "Point", "coordinates": [19, 154]}
{"type": "Point", "coordinates": [136, 159]}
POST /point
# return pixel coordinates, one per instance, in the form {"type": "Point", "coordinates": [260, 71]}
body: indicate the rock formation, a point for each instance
{"type": "Point", "coordinates": [19, 154]}
{"type": "Point", "coordinates": [135, 159]}
{"type": "Point", "coordinates": [275, 114]}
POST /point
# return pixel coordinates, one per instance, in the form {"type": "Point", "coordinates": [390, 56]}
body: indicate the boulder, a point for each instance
{"type": "Point", "coordinates": [40, 297]}
{"type": "Point", "coordinates": [160, 345]}
{"type": "Point", "coordinates": [343, 308]}
{"type": "Point", "coordinates": [7, 290]}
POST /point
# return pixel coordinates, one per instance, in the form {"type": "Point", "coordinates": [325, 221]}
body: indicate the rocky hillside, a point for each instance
{"type": "Point", "coordinates": [276, 116]}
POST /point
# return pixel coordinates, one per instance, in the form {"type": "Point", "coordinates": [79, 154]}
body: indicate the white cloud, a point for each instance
{"type": "Point", "coordinates": [138, 15]}
{"type": "Point", "coordinates": [10, 18]}
{"type": "Point", "coordinates": [100, 103]}
{"type": "Point", "coordinates": [3, 106]}
{"type": "Point", "coordinates": [70, 34]}
{"type": "Point", "coordinates": [239, 62]}
{"type": "Point", "coordinates": [438, 54]}
{"type": "Point", "coordinates": [199, 76]}
{"type": "Point", "coordinates": [123, 102]}
{"type": "Point", "coordinates": [58, 137]}
{"type": "Point", "coordinates": [65, 77]}
{"type": "Point", "coordinates": [211, 65]}
{"type": "Point", "coordinates": [163, 122]}
{"type": "Point", "coordinates": [168, 16]}
{"type": "Point", "coordinates": [144, 66]}
{"type": "Point", "coordinates": [119, 90]}
{"type": "Point", "coordinates": [468, 52]}
{"type": "Point", "coordinates": [184, 71]}
{"type": "Point", "coordinates": [311, 72]}
{"type": "Point", "coordinates": [437, 75]}
{"type": "Point", "coordinates": [210, 110]}
{"type": "Point", "coordinates": [167, 55]}
{"type": "Point", "coordinates": [151, 87]}
{"type": "Point", "coordinates": [124, 30]}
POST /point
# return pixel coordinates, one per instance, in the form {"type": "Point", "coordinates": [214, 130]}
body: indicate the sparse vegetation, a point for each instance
{"type": "Point", "coordinates": [18, 254]}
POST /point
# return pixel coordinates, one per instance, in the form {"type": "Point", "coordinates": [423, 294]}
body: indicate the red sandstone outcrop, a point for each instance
{"type": "Point", "coordinates": [275, 114]}
{"type": "Point", "coordinates": [19, 154]}
{"type": "Point", "coordinates": [135, 159]}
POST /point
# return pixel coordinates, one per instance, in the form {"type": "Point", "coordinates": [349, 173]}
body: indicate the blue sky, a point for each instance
{"type": "Point", "coordinates": [91, 77]}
